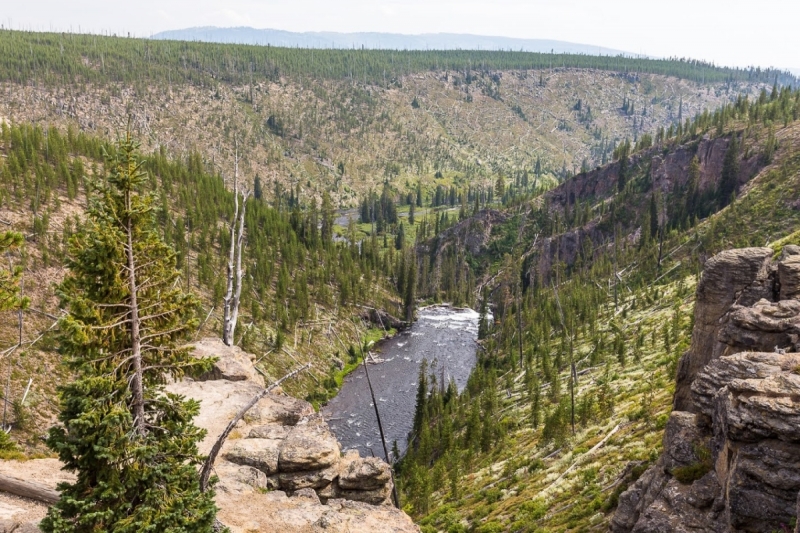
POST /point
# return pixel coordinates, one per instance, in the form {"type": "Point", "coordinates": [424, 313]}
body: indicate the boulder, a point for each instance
{"type": "Point", "coordinates": [233, 364]}
{"type": "Point", "coordinates": [261, 454]}
{"type": "Point", "coordinates": [314, 479]}
{"type": "Point", "coordinates": [738, 367]}
{"type": "Point", "coordinates": [762, 486]}
{"type": "Point", "coordinates": [278, 409]}
{"type": "Point", "coordinates": [766, 326]}
{"type": "Point", "coordinates": [306, 494]}
{"type": "Point", "coordinates": [310, 445]}
{"type": "Point", "coordinates": [240, 478]}
{"type": "Point", "coordinates": [789, 275]}
{"type": "Point", "coordinates": [12, 526]}
{"type": "Point", "coordinates": [269, 431]}
{"type": "Point", "coordinates": [730, 277]}
{"type": "Point", "coordinates": [684, 437]}
{"type": "Point", "coordinates": [368, 473]}
{"type": "Point", "coordinates": [379, 496]}
{"type": "Point", "coordinates": [747, 408]}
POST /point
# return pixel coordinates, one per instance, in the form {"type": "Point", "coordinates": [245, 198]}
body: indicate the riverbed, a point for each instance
{"type": "Point", "coordinates": [445, 337]}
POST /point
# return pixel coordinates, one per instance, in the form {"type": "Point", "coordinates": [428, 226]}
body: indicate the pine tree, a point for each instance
{"type": "Point", "coordinates": [500, 187]}
{"type": "Point", "coordinates": [401, 238]}
{"type": "Point", "coordinates": [653, 216]}
{"type": "Point", "coordinates": [730, 173]}
{"type": "Point", "coordinates": [328, 219]}
{"type": "Point", "coordinates": [10, 278]}
{"type": "Point", "coordinates": [132, 446]}
{"type": "Point", "coordinates": [411, 282]}
{"type": "Point", "coordinates": [258, 193]}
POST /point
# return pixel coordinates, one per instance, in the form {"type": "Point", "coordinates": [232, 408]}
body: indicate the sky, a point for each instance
{"type": "Point", "coordinates": [726, 32]}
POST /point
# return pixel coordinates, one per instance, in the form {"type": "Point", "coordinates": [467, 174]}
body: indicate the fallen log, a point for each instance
{"type": "Point", "coordinates": [28, 489]}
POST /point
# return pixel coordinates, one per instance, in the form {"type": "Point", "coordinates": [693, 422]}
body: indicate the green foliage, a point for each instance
{"type": "Point", "coordinates": [65, 57]}
{"type": "Point", "coordinates": [132, 446]}
{"type": "Point", "coordinates": [6, 444]}
{"type": "Point", "coordinates": [730, 173]}
{"type": "Point", "coordinates": [10, 277]}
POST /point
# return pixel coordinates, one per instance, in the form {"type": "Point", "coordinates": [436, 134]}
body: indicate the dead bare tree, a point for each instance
{"type": "Point", "coordinates": [235, 272]}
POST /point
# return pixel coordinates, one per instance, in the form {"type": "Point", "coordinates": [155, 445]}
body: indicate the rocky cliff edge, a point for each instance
{"type": "Point", "coordinates": [280, 471]}
{"type": "Point", "coordinates": [731, 459]}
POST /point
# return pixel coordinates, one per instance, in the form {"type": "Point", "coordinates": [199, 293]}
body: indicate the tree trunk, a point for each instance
{"type": "Point", "coordinates": [234, 316]}
{"type": "Point", "coordinates": [226, 319]}
{"type": "Point", "coordinates": [137, 384]}
{"type": "Point", "coordinates": [28, 489]}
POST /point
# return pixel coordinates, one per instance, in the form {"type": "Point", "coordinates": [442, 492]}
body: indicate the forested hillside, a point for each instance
{"type": "Point", "coordinates": [573, 199]}
{"type": "Point", "coordinates": [298, 295]}
{"type": "Point", "coordinates": [345, 121]}
{"type": "Point", "coordinates": [592, 289]}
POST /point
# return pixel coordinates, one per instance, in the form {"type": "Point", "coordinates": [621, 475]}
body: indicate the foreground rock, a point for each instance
{"type": "Point", "coordinates": [280, 471]}
{"type": "Point", "coordinates": [731, 460]}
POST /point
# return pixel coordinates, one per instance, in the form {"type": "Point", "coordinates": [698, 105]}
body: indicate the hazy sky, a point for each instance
{"type": "Point", "coordinates": [729, 32]}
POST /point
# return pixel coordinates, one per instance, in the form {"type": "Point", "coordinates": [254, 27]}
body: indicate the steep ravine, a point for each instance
{"type": "Point", "coordinates": [731, 460]}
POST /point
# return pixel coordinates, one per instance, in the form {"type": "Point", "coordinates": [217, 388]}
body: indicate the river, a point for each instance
{"type": "Point", "coordinates": [445, 337]}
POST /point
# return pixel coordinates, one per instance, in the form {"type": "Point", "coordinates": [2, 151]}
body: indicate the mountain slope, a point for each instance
{"type": "Point", "coordinates": [346, 120]}
{"type": "Point", "coordinates": [601, 276]}
{"type": "Point", "coordinates": [377, 40]}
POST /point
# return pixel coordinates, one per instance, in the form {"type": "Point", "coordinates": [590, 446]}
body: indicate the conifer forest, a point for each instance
{"type": "Point", "coordinates": [298, 209]}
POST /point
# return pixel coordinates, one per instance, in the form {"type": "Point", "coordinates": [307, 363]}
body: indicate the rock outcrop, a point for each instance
{"type": "Point", "coordinates": [282, 470]}
{"type": "Point", "coordinates": [731, 460]}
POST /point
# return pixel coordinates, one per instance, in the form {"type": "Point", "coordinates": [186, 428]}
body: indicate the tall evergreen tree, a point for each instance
{"type": "Point", "coordinates": [132, 445]}
{"type": "Point", "coordinates": [328, 219]}
{"type": "Point", "coordinates": [730, 173]}
{"type": "Point", "coordinates": [10, 278]}
{"type": "Point", "coordinates": [401, 238]}
{"type": "Point", "coordinates": [411, 282]}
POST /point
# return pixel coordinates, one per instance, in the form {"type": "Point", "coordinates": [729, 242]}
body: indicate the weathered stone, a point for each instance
{"type": "Point", "coordinates": [379, 496]}
{"type": "Point", "coordinates": [12, 526]}
{"type": "Point", "coordinates": [368, 473]}
{"type": "Point", "coordinates": [730, 277]}
{"type": "Point", "coordinates": [683, 436]}
{"type": "Point", "coordinates": [309, 446]}
{"type": "Point", "coordinates": [762, 485]}
{"type": "Point", "coordinates": [233, 364]}
{"type": "Point", "coordinates": [306, 494]}
{"type": "Point", "coordinates": [789, 276]}
{"type": "Point", "coordinates": [258, 453]}
{"type": "Point", "coordinates": [278, 409]}
{"type": "Point", "coordinates": [766, 326]}
{"type": "Point", "coordinates": [315, 479]}
{"type": "Point", "coordinates": [269, 431]}
{"type": "Point", "coordinates": [741, 366]}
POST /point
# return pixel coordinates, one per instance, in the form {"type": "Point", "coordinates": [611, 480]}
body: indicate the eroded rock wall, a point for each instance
{"type": "Point", "coordinates": [731, 460]}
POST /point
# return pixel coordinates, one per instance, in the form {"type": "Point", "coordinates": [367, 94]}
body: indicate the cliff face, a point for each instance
{"type": "Point", "coordinates": [731, 460]}
{"type": "Point", "coordinates": [668, 172]}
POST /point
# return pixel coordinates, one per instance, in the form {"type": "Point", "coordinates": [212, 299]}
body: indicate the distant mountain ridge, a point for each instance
{"type": "Point", "coordinates": [376, 40]}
